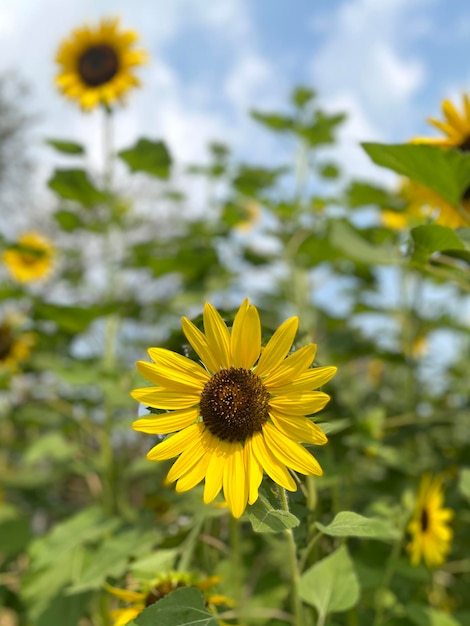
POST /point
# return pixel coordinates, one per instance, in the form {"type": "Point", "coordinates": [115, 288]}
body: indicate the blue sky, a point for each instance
{"type": "Point", "coordinates": [388, 62]}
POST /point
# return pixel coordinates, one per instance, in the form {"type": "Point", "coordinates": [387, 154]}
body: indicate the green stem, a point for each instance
{"type": "Point", "coordinates": [237, 568]}
{"type": "Point", "coordinates": [297, 608]}
{"type": "Point", "coordinates": [386, 580]}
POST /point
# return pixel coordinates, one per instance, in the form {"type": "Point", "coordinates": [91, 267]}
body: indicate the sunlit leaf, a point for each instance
{"type": "Point", "coordinates": [75, 185]}
{"type": "Point", "coordinates": [265, 519]}
{"type": "Point", "coordinates": [350, 524]}
{"type": "Point", "coordinates": [431, 238]}
{"type": "Point", "coordinates": [182, 607]}
{"type": "Point", "coordinates": [151, 157]}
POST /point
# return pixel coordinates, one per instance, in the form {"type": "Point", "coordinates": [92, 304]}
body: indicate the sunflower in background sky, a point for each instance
{"type": "Point", "coordinates": [97, 64]}
{"type": "Point", "coordinates": [15, 346]}
{"type": "Point", "coordinates": [240, 413]}
{"type": "Point", "coordinates": [429, 529]}
{"type": "Point", "coordinates": [30, 258]}
{"type": "Point", "coordinates": [456, 128]}
{"type": "Point", "coordinates": [151, 591]}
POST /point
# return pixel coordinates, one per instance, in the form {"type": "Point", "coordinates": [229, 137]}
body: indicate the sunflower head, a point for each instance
{"type": "Point", "coordinates": [239, 414]}
{"type": "Point", "coordinates": [146, 593]}
{"type": "Point", "coordinates": [96, 64]}
{"type": "Point", "coordinates": [15, 346]}
{"type": "Point", "coordinates": [30, 258]}
{"type": "Point", "coordinates": [431, 535]}
{"type": "Point", "coordinates": [455, 126]}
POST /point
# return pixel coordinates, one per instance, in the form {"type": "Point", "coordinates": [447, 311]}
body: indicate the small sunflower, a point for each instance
{"type": "Point", "coordinates": [431, 535]}
{"type": "Point", "coordinates": [15, 346]}
{"type": "Point", "coordinates": [241, 414]}
{"type": "Point", "coordinates": [149, 592]}
{"type": "Point", "coordinates": [30, 259]}
{"type": "Point", "coordinates": [96, 64]}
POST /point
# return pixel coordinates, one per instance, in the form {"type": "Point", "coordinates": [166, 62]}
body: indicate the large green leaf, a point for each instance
{"type": "Point", "coordinates": [431, 238]}
{"type": "Point", "coordinates": [151, 157]}
{"type": "Point", "coordinates": [265, 519]}
{"type": "Point", "coordinates": [427, 616]}
{"type": "Point", "coordinates": [331, 585]}
{"type": "Point", "coordinates": [75, 185]}
{"type": "Point", "coordinates": [350, 524]}
{"type": "Point", "coordinates": [182, 607]}
{"type": "Point", "coordinates": [447, 172]}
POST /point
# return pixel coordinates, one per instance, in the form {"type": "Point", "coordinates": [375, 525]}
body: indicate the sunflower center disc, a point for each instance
{"type": "Point", "coordinates": [424, 520]}
{"type": "Point", "coordinates": [162, 590]}
{"type": "Point", "coordinates": [98, 65]}
{"type": "Point", "coordinates": [234, 404]}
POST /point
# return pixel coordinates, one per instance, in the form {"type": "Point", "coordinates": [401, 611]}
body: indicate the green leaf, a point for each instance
{"type": "Point", "coordinates": [64, 610]}
{"type": "Point", "coordinates": [331, 585]}
{"type": "Point", "coordinates": [75, 185]}
{"type": "Point", "coordinates": [14, 535]}
{"type": "Point", "coordinates": [251, 180]}
{"type": "Point", "coordinates": [265, 519]}
{"type": "Point", "coordinates": [274, 121]}
{"type": "Point", "coordinates": [464, 482]}
{"type": "Point", "coordinates": [350, 524]}
{"type": "Point", "coordinates": [72, 319]}
{"type": "Point", "coordinates": [447, 172]}
{"type": "Point", "coordinates": [361, 194]}
{"type": "Point", "coordinates": [68, 220]}
{"type": "Point", "coordinates": [302, 96]}
{"type": "Point", "coordinates": [68, 147]}
{"type": "Point", "coordinates": [182, 607]}
{"type": "Point", "coordinates": [353, 246]}
{"type": "Point", "coordinates": [321, 130]}
{"type": "Point", "coordinates": [432, 238]}
{"type": "Point", "coordinates": [151, 157]}
{"type": "Point", "coordinates": [329, 170]}
{"type": "Point", "coordinates": [426, 616]}
{"type": "Point", "coordinates": [162, 560]}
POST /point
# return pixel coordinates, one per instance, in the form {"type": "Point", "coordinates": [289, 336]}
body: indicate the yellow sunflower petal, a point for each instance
{"type": "Point", "coordinates": [299, 428]}
{"type": "Point", "coordinates": [217, 335]}
{"type": "Point", "coordinates": [195, 475]}
{"type": "Point", "coordinates": [292, 367]}
{"type": "Point", "coordinates": [235, 481]}
{"type": "Point", "coordinates": [453, 117]}
{"type": "Point", "coordinates": [186, 461]}
{"type": "Point", "coordinates": [166, 422]}
{"type": "Point", "coordinates": [171, 379]}
{"type": "Point", "coordinates": [125, 594]}
{"type": "Point", "coordinates": [165, 399]}
{"type": "Point", "coordinates": [449, 130]}
{"type": "Point", "coordinates": [246, 336]}
{"type": "Point", "coordinates": [309, 380]}
{"type": "Point", "coordinates": [121, 617]}
{"type": "Point", "coordinates": [301, 404]}
{"type": "Point", "coordinates": [254, 472]}
{"type": "Point", "coordinates": [271, 465]}
{"type": "Point", "coordinates": [290, 452]}
{"type": "Point", "coordinates": [215, 470]}
{"type": "Point", "coordinates": [175, 362]}
{"type": "Point", "coordinates": [199, 343]}
{"type": "Point", "coordinates": [277, 347]}
{"type": "Point", "coordinates": [175, 444]}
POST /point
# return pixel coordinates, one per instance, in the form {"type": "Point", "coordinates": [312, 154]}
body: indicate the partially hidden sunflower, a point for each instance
{"type": "Point", "coordinates": [97, 64]}
{"type": "Point", "coordinates": [456, 128]}
{"type": "Point", "coordinates": [15, 345]}
{"type": "Point", "coordinates": [151, 591]}
{"type": "Point", "coordinates": [30, 258]}
{"type": "Point", "coordinates": [429, 527]}
{"type": "Point", "coordinates": [239, 414]}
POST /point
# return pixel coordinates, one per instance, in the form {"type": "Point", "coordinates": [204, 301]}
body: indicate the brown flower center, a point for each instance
{"type": "Point", "coordinates": [234, 404]}
{"type": "Point", "coordinates": [6, 342]}
{"type": "Point", "coordinates": [98, 65]}
{"type": "Point", "coordinates": [424, 520]}
{"type": "Point", "coordinates": [162, 590]}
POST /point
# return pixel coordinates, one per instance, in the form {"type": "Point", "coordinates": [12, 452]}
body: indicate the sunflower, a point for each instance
{"type": "Point", "coordinates": [15, 347]}
{"type": "Point", "coordinates": [456, 128]}
{"type": "Point", "coordinates": [431, 535]}
{"type": "Point", "coordinates": [96, 64]}
{"type": "Point", "coordinates": [31, 258]}
{"type": "Point", "coordinates": [241, 414]}
{"type": "Point", "coordinates": [154, 590]}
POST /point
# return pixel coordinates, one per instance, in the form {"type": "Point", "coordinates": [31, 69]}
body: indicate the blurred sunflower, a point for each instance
{"type": "Point", "coordinates": [154, 590]}
{"type": "Point", "coordinates": [456, 128]}
{"type": "Point", "coordinates": [241, 414]}
{"type": "Point", "coordinates": [31, 258]}
{"type": "Point", "coordinates": [96, 64]}
{"type": "Point", "coordinates": [431, 535]}
{"type": "Point", "coordinates": [15, 346]}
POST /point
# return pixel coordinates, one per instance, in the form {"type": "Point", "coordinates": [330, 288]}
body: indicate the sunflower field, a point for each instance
{"type": "Point", "coordinates": [257, 415]}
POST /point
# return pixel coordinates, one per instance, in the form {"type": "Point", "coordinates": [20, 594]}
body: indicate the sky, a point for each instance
{"type": "Point", "coordinates": [389, 63]}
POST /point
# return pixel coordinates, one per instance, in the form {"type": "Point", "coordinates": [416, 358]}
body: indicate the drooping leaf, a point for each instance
{"type": "Point", "coordinates": [74, 184]}
{"type": "Point", "coordinates": [274, 121]}
{"type": "Point", "coordinates": [331, 585]}
{"type": "Point", "coordinates": [265, 519]}
{"type": "Point", "coordinates": [67, 147]}
{"type": "Point", "coordinates": [350, 524]}
{"type": "Point", "coordinates": [182, 607]}
{"type": "Point", "coordinates": [447, 172]}
{"type": "Point", "coordinates": [431, 238]}
{"type": "Point", "coordinates": [151, 157]}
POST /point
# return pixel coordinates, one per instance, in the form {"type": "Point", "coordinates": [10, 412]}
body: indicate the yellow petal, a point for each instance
{"type": "Point", "coordinates": [277, 347]}
{"type": "Point", "coordinates": [199, 343]}
{"type": "Point", "coordinates": [194, 476]}
{"type": "Point", "coordinates": [170, 379]}
{"type": "Point", "coordinates": [165, 399]}
{"type": "Point", "coordinates": [273, 468]}
{"type": "Point", "coordinates": [290, 452]}
{"type": "Point", "coordinates": [121, 617]}
{"type": "Point", "coordinates": [302, 404]}
{"type": "Point", "coordinates": [215, 471]}
{"type": "Point", "coordinates": [254, 471]}
{"type": "Point", "coordinates": [186, 461]}
{"type": "Point", "coordinates": [449, 130]}
{"type": "Point", "coordinates": [246, 336]}
{"type": "Point", "coordinates": [176, 362]}
{"type": "Point", "coordinates": [125, 594]}
{"type": "Point", "coordinates": [299, 428]}
{"type": "Point", "coordinates": [292, 367]}
{"type": "Point", "coordinates": [453, 117]}
{"type": "Point", "coordinates": [235, 481]}
{"type": "Point", "coordinates": [309, 380]}
{"type": "Point", "coordinates": [217, 335]}
{"type": "Point", "coordinates": [166, 422]}
{"type": "Point", "coordinates": [175, 444]}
